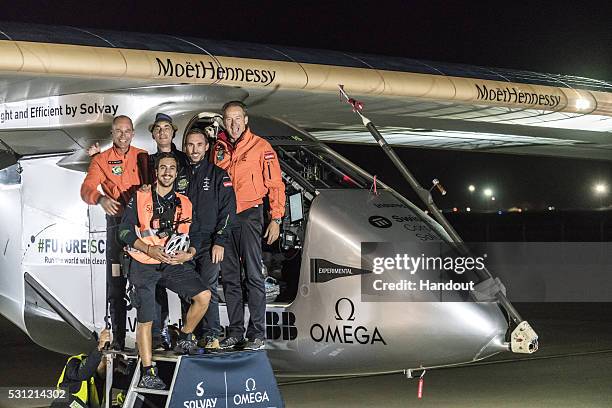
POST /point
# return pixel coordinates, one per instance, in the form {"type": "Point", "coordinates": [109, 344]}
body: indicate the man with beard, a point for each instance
{"type": "Point", "coordinates": [214, 209]}
{"type": "Point", "coordinates": [162, 218]}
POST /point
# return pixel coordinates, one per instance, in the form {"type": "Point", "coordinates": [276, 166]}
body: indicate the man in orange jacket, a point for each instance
{"type": "Point", "coordinates": [116, 170]}
{"type": "Point", "coordinates": [255, 172]}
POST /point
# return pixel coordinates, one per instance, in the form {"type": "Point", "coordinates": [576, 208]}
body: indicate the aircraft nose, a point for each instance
{"type": "Point", "coordinates": [484, 321]}
{"type": "Point", "coordinates": [496, 345]}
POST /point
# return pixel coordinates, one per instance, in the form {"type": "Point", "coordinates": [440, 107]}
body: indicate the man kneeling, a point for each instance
{"type": "Point", "coordinates": [155, 226]}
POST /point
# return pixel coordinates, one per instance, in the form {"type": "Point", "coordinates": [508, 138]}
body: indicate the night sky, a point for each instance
{"type": "Point", "coordinates": [562, 37]}
{"type": "Point", "coordinates": [566, 37]}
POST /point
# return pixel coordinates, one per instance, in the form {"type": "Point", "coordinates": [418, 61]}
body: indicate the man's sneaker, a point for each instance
{"type": "Point", "coordinates": [187, 345]}
{"type": "Point", "coordinates": [232, 342]}
{"type": "Point", "coordinates": [255, 344]}
{"type": "Point", "coordinates": [209, 343]}
{"type": "Point", "coordinates": [212, 343]}
{"type": "Point", "coordinates": [166, 338]}
{"type": "Point", "coordinates": [118, 345]}
{"type": "Point", "coordinates": [150, 379]}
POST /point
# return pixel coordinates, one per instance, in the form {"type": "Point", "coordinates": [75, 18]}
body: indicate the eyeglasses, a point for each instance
{"type": "Point", "coordinates": [118, 132]}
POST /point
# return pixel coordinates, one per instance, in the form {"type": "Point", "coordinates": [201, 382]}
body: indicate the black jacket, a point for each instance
{"type": "Point", "coordinates": [214, 205]}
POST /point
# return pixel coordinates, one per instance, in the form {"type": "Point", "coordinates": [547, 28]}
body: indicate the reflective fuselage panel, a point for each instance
{"type": "Point", "coordinates": [11, 285]}
{"type": "Point", "coordinates": [336, 333]}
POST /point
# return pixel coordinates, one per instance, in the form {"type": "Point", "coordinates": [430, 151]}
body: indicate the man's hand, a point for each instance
{"type": "Point", "coordinates": [272, 232]}
{"type": "Point", "coordinates": [110, 206]}
{"type": "Point", "coordinates": [180, 257]}
{"type": "Point", "coordinates": [105, 337]}
{"type": "Point", "coordinates": [216, 253]}
{"type": "Point", "coordinates": [145, 188]}
{"type": "Point", "coordinates": [93, 149]}
{"type": "Point", "coordinates": [157, 252]}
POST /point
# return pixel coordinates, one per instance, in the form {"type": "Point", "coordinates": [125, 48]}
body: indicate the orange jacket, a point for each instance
{"type": "Point", "coordinates": [253, 166]}
{"type": "Point", "coordinates": [116, 172]}
{"type": "Point", "coordinates": [144, 203]}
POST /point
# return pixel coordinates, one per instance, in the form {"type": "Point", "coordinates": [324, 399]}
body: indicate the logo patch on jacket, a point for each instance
{"type": "Point", "coordinates": [117, 170]}
{"type": "Point", "coordinates": [182, 184]}
{"type": "Point", "coordinates": [268, 155]}
{"type": "Point", "coordinates": [206, 185]}
{"type": "Point", "coordinates": [115, 161]}
{"type": "Point", "coordinates": [227, 182]}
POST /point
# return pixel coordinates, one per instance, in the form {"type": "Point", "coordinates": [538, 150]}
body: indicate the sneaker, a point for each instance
{"type": "Point", "coordinates": [150, 379]}
{"type": "Point", "coordinates": [187, 345]}
{"type": "Point", "coordinates": [212, 343]}
{"type": "Point", "coordinates": [232, 343]}
{"type": "Point", "coordinates": [118, 345]}
{"type": "Point", "coordinates": [118, 400]}
{"type": "Point", "coordinates": [166, 338]}
{"type": "Point", "coordinates": [203, 341]}
{"type": "Point", "coordinates": [255, 344]}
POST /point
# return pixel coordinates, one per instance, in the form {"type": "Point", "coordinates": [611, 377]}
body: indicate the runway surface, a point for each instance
{"type": "Point", "coordinates": [573, 368]}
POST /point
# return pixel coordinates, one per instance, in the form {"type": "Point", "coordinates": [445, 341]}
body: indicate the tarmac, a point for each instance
{"type": "Point", "coordinates": [572, 368]}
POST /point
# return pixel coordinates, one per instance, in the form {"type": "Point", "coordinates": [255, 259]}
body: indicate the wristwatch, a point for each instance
{"type": "Point", "coordinates": [279, 221]}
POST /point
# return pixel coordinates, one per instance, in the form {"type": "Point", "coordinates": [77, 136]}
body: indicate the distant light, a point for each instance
{"type": "Point", "coordinates": [455, 209]}
{"type": "Point", "coordinates": [488, 192]}
{"type": "Point", "coordinates": [520, 210]}
{"type": "Point", "coordinates": [499, 212]}
{"type": "Point", "coordinates": [493, 198]}
{"type": "Point", "coordinates": [468, 209]}
{"type": "Point", "coordinates": [472, 188]}
{"type": "Point", "coordinates": [551, 208]}
{"type": "Point", "coordinates": [600, 188]}
{"type": "Point", "coordinates": [583, 104]}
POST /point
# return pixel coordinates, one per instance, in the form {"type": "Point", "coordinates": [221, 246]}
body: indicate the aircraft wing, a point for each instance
{"type": "Point", "coordinates": [414, 103]}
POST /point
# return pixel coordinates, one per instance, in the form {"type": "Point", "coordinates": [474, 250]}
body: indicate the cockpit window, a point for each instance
{"type": "Point", "coordinates": [317, 168]}
{"type": "Point", "coordinates": [9, 168]}
{"type": "Point", "coordinates": [10, 175]}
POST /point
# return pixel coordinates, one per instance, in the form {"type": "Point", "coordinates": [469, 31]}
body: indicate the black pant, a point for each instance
{"type": "Point", "coordinates": [161, 311]}
{"type": "Point", "coordinates": [115, 285]}
{"type": "Point", "coordinates": [209, 272]}
{"type": "Point", "coordinates": [245, 246]}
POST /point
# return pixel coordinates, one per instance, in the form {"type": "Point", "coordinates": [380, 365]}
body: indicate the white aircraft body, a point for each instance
{"type": "Point", "coordinates": [61, 87]}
